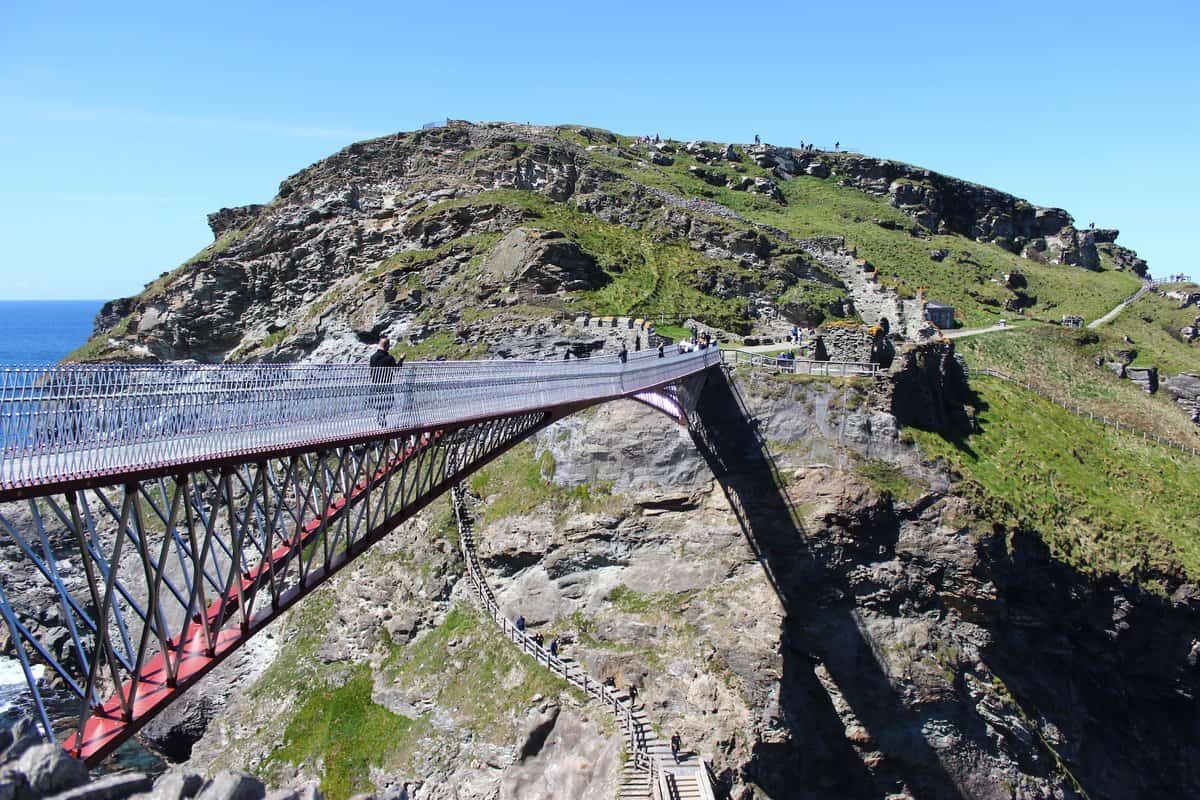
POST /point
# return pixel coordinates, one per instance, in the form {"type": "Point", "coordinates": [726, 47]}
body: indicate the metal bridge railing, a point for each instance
{"type": "Point", "coordinates": [790, 366]}
{"type": "Point", "coordinates": [64, 422]}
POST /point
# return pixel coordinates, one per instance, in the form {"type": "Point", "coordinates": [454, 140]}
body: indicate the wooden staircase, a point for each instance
{"type": "Point", "coordinates": [650, 771]}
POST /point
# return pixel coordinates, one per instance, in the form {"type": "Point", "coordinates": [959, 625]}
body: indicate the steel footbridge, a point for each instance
{"type": "Point", "coordinates": [154, 518]}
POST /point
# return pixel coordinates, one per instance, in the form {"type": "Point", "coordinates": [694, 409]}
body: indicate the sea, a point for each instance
{"type": "Point", "coordinates": [32, 333]}
{"type": "Point", "coordinates": [36, 332]}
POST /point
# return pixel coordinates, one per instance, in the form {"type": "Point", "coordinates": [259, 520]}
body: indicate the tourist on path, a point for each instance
{"type": "Point", "coordinates": [676, 745]}
{"type": "Point", "coordinates": [521, 623]}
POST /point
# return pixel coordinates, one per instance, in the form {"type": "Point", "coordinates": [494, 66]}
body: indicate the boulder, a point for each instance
{"type": "Point", "coordinates": [740, 184]}
{"type": "Point", "coordinates": [938, 254]}
{"type": "Point", "coordinates": [49, 770]}
{"type": "Point", "coordinates": [233, 785]}
{"type": "Point", "coordinates": [1184, 389]}
{"type": "Point", "coordinates": [227, 219]}
{"type": "Point", "coordinates": [543, 261]}
{"type": "Point", "coordinates": [17, 739]}
{"type": "Point", "coordinates": [769, 188]}
{"type": "Point", "coordinates": [817, 169]}
{"type": "Point", "coordinates": [661, 159]}
{"type": "Point", "coordinates": [731, 154]}
{"type": "Point", "coordinates": [1146, 377]}
{"type": "Point", "coordinates": [109, 787]}
{"type": "Point", "coordinates": [709, 177]}
{"type": "Point", "coordinates": [593, 135]}
{"type": "Point", "coordinates": [176, 785]}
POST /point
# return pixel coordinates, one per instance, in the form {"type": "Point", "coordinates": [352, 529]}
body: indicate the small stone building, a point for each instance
{"type": "Point", "coordinates": [942, 316]}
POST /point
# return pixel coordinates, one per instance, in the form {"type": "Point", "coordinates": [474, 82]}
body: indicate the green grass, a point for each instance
{"type": "Point", "coordinates": [890, 479]}
{"type": "Point", "coordinates": [1153, 323]}
{"type": "Point", "coordinates": [344, 730]}
{"type": "Point", "coordinates": [520, 481]}
{"type": "Point", "coordinates": [647, 273]}
{"type": "Point", "coordinates": [484, 683]}
{"type": "Point", "coordinates": [1061, 362]}
{"type": "Point", "coordinates": [1104, 501]}
{"type": "Point", "coordinates": [630, 602]}
{"type": "Point", "coordinates": [966, 278]}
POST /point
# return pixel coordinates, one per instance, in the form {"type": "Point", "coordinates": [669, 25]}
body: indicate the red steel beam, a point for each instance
{"type": "Point", "coordinates": [107, 728]}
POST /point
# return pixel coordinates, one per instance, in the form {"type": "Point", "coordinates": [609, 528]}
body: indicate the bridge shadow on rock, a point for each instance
{"type": "Point", "coordinates": [826, 658]}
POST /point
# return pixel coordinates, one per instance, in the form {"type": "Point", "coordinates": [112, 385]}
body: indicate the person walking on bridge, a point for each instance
{"type": "Point", "coordinates": [383, 372]}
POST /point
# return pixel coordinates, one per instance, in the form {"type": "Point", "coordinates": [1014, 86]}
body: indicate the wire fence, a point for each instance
{"type": "Point", "coordinates": [1078, 410]}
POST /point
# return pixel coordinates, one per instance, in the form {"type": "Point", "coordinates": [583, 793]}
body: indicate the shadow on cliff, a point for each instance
{"type": "Point", "coordinates": [1110, 672]}
{"type": "Point", "coordinates": [822, 642]}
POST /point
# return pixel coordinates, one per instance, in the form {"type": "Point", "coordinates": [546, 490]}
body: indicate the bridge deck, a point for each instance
{"type": "Point", "coordinates": [72, 426]}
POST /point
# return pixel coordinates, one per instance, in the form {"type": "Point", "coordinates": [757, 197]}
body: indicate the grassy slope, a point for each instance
{"type": "Point", "coordinates": [1104, 501]}
{"type": "Point", "coordinates": [965, 279]}
{"type": "Point", "coordinates": [1061, 362]}
{"type": "Point", "coordinates": [1153, 323]}
{"type": "Point", "coordinates": [647, 273]}
{"type": "Point", "coordinates": [340, 732]}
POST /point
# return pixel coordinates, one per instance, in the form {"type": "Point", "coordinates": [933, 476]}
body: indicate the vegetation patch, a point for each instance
{"type": "Point", "coordinates": [888, 478]}
{"type": "Point", "coordinates": [346, 732]}
{"type": "Point", "coordinates": [1061, 362]}
{"type": "Point", "coordinates": [519, 481]}
{"type": "Point", "coordinates": [474, 674]}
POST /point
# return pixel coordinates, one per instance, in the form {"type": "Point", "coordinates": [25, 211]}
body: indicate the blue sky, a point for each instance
{"type": "Point", "coordinates": [121, 128]}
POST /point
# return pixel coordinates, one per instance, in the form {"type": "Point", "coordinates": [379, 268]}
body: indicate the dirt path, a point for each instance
{"type": "Point", "coordinates": [1111, 315]}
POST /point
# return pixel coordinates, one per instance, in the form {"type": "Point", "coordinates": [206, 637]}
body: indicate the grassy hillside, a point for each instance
{"type": "Point", "coordinates": [1104, 501]}
{"type": "Point", "coordinates": [1152, 324]}
{"type": "Point", "coordinates": [1062, 362]}
{"type": "Point", "coordinates": [967, 278]}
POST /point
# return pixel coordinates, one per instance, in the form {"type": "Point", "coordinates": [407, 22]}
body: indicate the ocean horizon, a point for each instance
{"type": "Point", "coordinates": [36, 332]}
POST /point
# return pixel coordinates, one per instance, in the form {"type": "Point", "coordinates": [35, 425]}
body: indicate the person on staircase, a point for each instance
{"type": "Point", "coordinates": [624, 354]}
{"type": "Point", "coordinates": [633, 692]}
{"type": "Point", "coordinates": [521, 623]}
{"type": "Point", "coordinates": [676, 745]}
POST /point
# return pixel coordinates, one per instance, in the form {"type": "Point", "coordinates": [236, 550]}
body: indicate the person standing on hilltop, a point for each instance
{"type": "Point", "coordinates": [383, 372]}
{"type": "Point", "coordinates": [757, 140]}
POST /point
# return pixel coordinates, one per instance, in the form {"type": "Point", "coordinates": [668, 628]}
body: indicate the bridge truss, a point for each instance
{"type": "Point", "coordinates": [155, 574]}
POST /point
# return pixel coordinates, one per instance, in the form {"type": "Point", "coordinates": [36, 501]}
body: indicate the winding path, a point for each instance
{"type": "Point", "coordinates": [651, 773]}
{"type": "Point", "coordinates": [1111, 315]}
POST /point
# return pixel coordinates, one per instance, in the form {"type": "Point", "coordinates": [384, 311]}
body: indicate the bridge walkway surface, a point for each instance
{"type": "Point", "coordinates": [167, 514]}
{"type": "Point", "coordinates": [652, 772]}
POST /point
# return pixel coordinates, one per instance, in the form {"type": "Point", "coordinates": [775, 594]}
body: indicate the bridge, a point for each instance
{"type": "Point", "coordinates": [163, 515]}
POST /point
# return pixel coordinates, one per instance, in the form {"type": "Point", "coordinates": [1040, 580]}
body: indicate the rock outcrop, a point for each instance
{"type": "Point", "coordinates": [941, 204]}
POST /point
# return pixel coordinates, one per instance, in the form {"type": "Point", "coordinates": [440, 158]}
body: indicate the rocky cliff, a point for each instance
{"type": "Point", "coordinates": [814, 606]}
{"type": "Point", "coordinates": [452, 236]}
